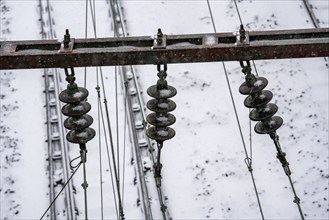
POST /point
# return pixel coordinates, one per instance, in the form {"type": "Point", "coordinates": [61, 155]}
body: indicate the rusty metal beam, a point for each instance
{"type": "Point", "coordinates": [277, 44]}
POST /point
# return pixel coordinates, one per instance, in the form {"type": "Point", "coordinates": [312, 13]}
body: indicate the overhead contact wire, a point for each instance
{"type": "Point", "coordinates": [248, 160]}
{"type": "Point", "coordinates": [211, 16]}
{"type": "Point", "coordinates": [237, 10]}
{"type": "Point", "coordinates": [108, 154]}
{"type": "Point", "coordinates": [124, 139]}
{"type": "Point", "coordinates": [121, 213]}
{"type": "Point", "coordinates": [86, 34]}
{"type": "Point", "coordinates": [100, 151]}
{"type": "Point", "coordinates": [117, 118]}
{"type": "Point", "coordinates": [115, 7]}
{"type": "Point", "coordinates": [112, 148]}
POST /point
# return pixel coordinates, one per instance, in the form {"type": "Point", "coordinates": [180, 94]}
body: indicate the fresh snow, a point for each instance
{"type": "Point", "coordinates": [204, 174]}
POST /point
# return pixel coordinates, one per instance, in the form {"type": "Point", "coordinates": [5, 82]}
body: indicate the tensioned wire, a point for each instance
{"type": "Point", "coordinates": [108, 155]}
{"type": "Point", "coordinates": [124, 138]}
{"type": "Point", "coordinates": [93, 15]}
{"type": "Point", "coordinates": [100, 152]}
{"type": "Point", "coordinates": [76, 169]}
{"type": "Point", "coordinates": [86, 34]}
{"type": "Point", "coordinates": [108, 123]}
{"type": "Point", "coordinates": [248, 160]}
{"type": "Point", "coordinates": [117, 117]}
{"type": "Point", "coordinates": [250, 133]}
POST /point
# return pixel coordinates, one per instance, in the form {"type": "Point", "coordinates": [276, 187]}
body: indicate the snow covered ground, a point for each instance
{"type": "Point", "coordinates": [204, 175]}
{"type": "Point", "coordinates": [22, 128]}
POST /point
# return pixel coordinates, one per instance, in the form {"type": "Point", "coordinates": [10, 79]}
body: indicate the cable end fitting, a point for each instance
{"type": "Point", "coordinates": [242, 37]}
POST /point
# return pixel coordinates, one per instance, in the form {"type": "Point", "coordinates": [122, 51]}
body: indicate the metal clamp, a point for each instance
{"type": "Point", "coordinates": [67, 44]}
{"type": "Point", "coordinates": [242, 37]}
{"type": "Point", "coordinates": [160, 40]}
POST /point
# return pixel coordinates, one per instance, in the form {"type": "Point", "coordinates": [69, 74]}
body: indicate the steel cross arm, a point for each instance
{"type": "Point", "coordinates": [276, 44]}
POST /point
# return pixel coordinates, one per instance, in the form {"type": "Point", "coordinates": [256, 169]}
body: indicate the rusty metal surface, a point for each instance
{"type": "Point", "coordinates": [278, 44]}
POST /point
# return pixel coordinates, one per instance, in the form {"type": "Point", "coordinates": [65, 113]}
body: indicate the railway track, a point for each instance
{"type": "Point", "coordinates": [65, 207]}
{"type": "Point", "coordinates": [56, 144]}
{"type": "Point", "coordinates": [143, 148]}
{"type": "Point", "coordinates": [58, 158]}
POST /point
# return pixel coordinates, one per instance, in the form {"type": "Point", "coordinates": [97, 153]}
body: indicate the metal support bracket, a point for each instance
{"type": "Point", "coordinates": [68, 44]}
{"type": "Point", "coordinates": [190, 48]}
{"type": "Point", "coordinates": [242, 37]}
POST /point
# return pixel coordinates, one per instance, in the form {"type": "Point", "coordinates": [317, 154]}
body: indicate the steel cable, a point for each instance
{"type": "Point", "coordinates": [124, 139]}
{"type": "Point", "coordinates": [117, 118]}
{"type": "Point", "coordinates": [115, 5]}
{"type": "Point", "coordinates": [93, 15]}
{"type": "Point", "coordinates": [112, 148]}
{"type": "Point", "coordinates": [237, 10]}
{"type": "Point", "coordinates": [86, 34]}
{"type": "Point", "coordinates": [248, 160]}
{"type": "Point", "coordinates": [61, 190]}
{"type": "Point", "coordinates": [108, 152]}
{"type": "Point", "coordinates": [100, 153]}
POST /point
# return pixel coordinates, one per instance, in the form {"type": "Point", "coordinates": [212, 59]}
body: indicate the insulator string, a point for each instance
{"type": "Point", "coordinates": [160, 120]}
{"type": "Point", "coordinates": [264, 127]}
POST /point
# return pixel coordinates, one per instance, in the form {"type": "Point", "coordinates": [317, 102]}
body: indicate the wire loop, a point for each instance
{"type": "Point", "coordinates": [248, 162]}
{"type": "Point", "coordinates": [71, 162]}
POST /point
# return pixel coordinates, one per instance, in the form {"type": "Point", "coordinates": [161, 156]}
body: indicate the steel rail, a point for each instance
{"type": "Point", "coordinates": [276, 44]}
{"type": "Point", "coordinates": [58, 161]}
